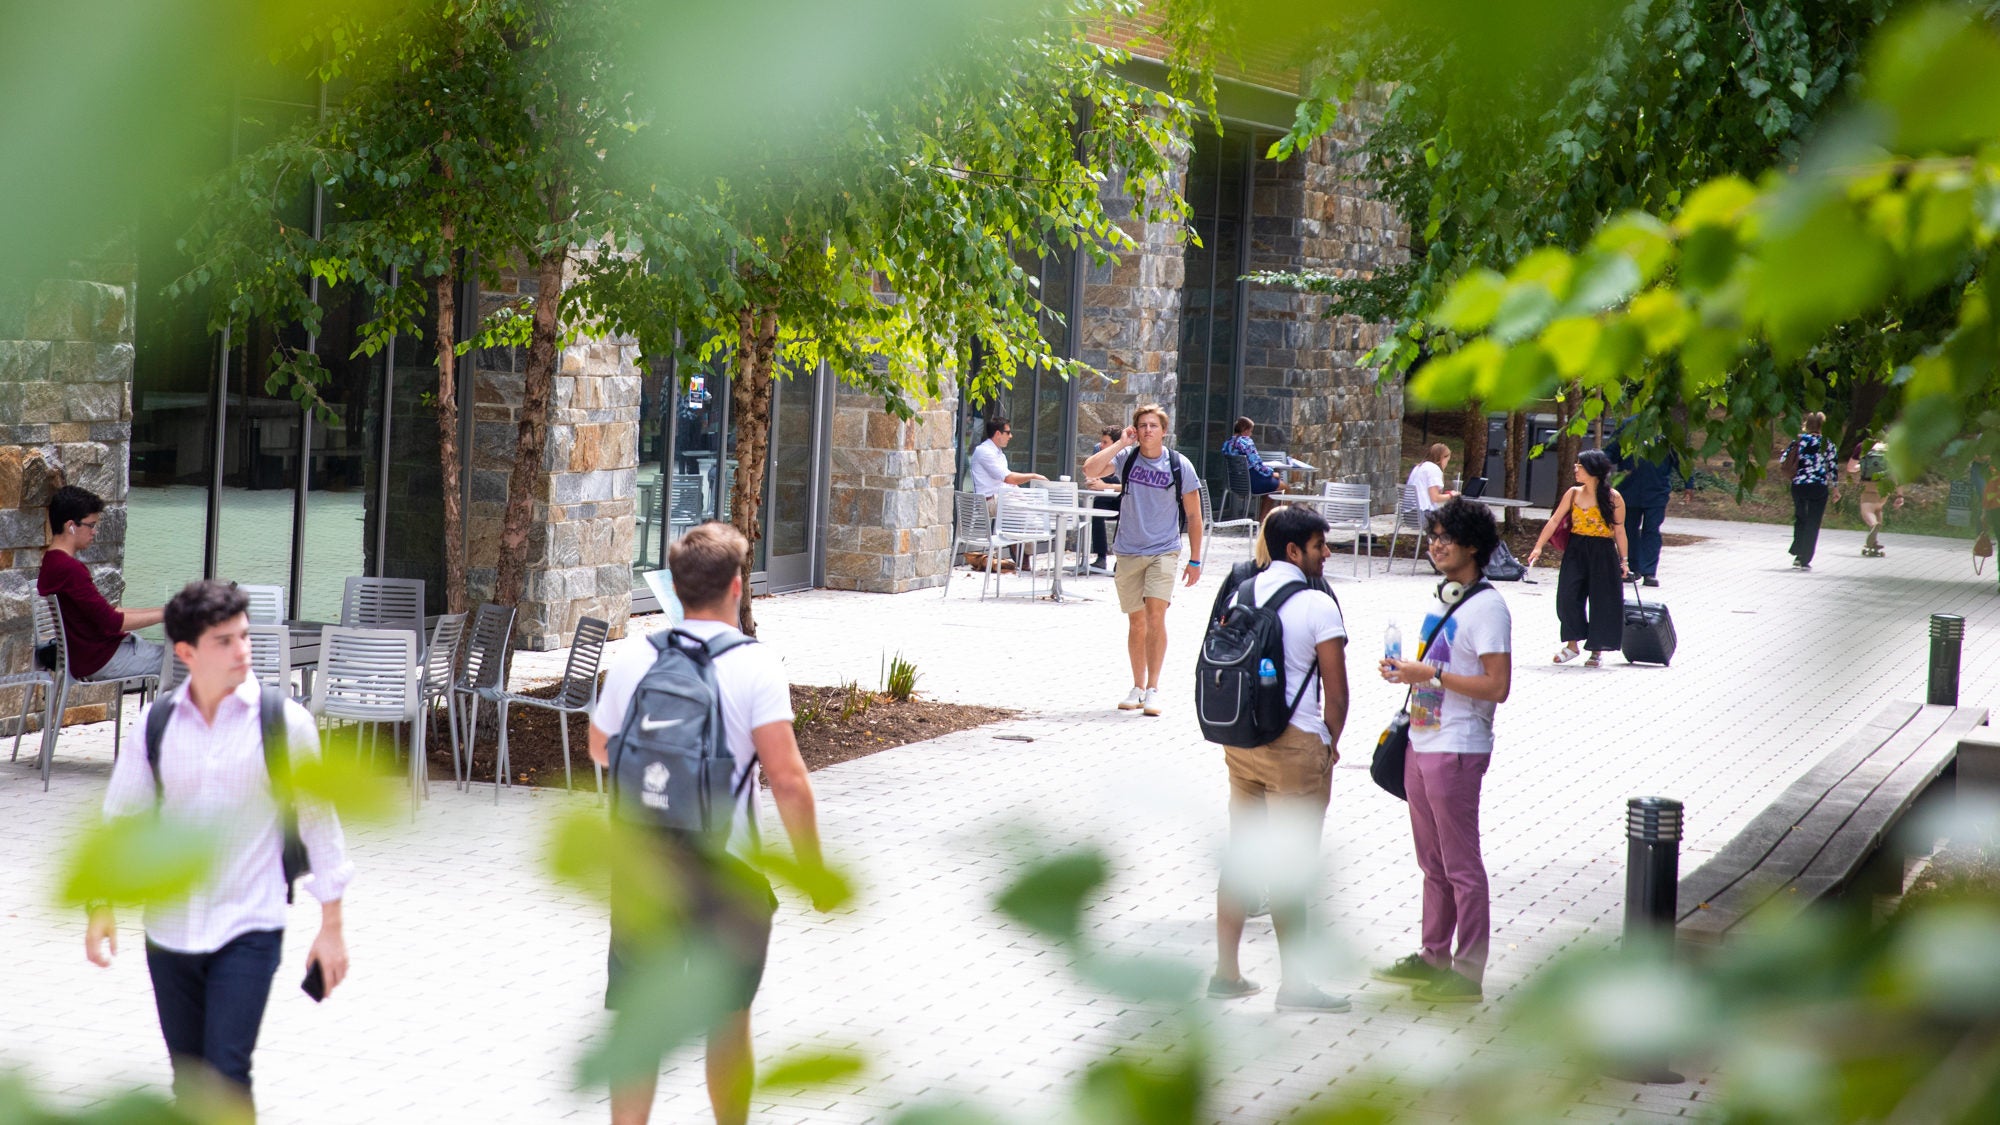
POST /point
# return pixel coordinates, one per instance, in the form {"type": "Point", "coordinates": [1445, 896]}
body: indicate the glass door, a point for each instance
{"type": "Point", "coordinates": [792, 483]}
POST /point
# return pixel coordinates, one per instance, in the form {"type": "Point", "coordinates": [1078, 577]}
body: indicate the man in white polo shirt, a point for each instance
{"type": "Point", "coordinates": [988, 471]}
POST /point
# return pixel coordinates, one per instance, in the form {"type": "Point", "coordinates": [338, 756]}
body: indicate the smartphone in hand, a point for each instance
{"type": "Point", "coordinates": [315, 982]}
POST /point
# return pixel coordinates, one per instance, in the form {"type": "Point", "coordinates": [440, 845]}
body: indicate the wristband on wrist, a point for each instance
{"type": "Point", "coordinates": [1194, 562]}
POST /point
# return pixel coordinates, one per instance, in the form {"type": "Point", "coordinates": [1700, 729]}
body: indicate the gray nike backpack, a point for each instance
{"type": "Point", "coordinates": [670, 761]}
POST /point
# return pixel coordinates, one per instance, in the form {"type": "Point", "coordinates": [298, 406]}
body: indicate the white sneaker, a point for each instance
{"type": "Point", "coordinates": [1133, 701]}
{"type": "Point", "coordinates": [1152, 704]}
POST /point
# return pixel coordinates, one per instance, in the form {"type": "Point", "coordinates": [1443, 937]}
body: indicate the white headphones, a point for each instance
{"type": "Point", "coordinates": [1450, 592]}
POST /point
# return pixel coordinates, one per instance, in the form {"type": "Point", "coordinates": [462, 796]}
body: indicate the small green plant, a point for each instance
{"type": "Point", "coordinates": [806, 716]}
{"type": "Point", "coordinates": [855, 699]}
{"type": "Point", "coordinates": [899, 678]}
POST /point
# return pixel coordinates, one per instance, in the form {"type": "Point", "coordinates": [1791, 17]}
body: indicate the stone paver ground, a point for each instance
{"type": "Point", "coordinates": [476, 981]}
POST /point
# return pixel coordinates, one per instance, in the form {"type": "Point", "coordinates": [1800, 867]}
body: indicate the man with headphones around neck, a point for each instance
{"type": "Point", "coordinates": [1461, 675]}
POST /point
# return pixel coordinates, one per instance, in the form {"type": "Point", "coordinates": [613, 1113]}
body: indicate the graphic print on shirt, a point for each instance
{"type": "Point", "coordinates": [1151, 477]}
{"type": "Point", "coordinates": [1426, 702]}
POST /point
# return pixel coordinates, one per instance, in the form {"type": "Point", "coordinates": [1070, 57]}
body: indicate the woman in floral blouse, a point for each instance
{"type": "Point", "coordinates": [1814, 474]}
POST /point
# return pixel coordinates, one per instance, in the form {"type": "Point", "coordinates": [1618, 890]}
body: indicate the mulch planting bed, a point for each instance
{"type": "Point", "coordinates": [834, 724]}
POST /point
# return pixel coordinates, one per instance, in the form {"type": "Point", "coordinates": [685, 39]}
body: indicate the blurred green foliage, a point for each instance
{"type": "Point", "coordinates": [137, 859]}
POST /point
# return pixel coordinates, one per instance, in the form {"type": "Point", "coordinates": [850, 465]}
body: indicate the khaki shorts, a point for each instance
{"type": "Point", "coordinates": [1145, 576]}
{"type": "Point", "coordinates": [1295, 764]}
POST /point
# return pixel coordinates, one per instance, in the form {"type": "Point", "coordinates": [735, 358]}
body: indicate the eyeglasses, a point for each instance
{"type": "Point", "coordinates": [91, 524]}
{"type": "Point", "coordinates": [1439, 541]}
{"type": "Point", "coordinates": [1009, 430]}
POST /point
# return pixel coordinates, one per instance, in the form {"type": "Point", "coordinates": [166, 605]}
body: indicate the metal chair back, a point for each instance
{"type": "Point", "coordinates": [1061, 493]}
{"type": "Point", "coordinates": [586, 651]}
{"type": "Point", "coordinates": [1409, 517]}
{"type": "Point", "coordinates": [367, 675]}
{"type": "Point", "coordinates": [486, 653]}
{"type": "Point", "coordinates": [48, 628]}
{"type": "Point", "coordinates": [267, 603]}
{"type": "Point", "coordinates": [1018, 522]}
{"type": "Point", "coordinates": [971, 519]}
{"type": "Point", "coordinates": [387, 603]}
{"type": "Point", "coordinates": [441, 656]}
{"type": "Point", "coordinates": [172, 671]}
{"type": "Point", "coordinates": [270, 656]}
{"type": "Point", "coordinates": [1236, 481]}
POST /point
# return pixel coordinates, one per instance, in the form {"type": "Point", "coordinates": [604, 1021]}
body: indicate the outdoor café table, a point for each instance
{"type": "Point", "coordinates": [1501, 502]}
{"type": "Point", "coordinates": [1291, 466]}
{"type": "Point", "coordinates": [1064, 514]}
{"type": "Point", "coordinates": [304, 656]}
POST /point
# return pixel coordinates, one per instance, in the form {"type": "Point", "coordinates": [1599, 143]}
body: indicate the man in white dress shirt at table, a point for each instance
{"type": "Point", "coordinates": [988, 470]}
{"type": "Point", "coordinates": [212, 955]}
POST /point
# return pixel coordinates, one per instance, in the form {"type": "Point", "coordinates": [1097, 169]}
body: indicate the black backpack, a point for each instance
{"type": "Point", "coordinates": [1503, 566]}
{"type": "Point", "coordinates": [1232, 702]}
{"type": "Point", "coordinates": [670, 762]}
{"type": "Point", "coordinates": [277, 763]}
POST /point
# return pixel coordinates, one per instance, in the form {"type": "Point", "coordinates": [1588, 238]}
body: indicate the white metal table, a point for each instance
{"type": "Point", "coordinates": [1291, 466]}
{"type": "Point", "coordinates": [1064, 513]}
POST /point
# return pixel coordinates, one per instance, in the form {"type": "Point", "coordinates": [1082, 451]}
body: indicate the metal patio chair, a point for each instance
{"type": "Point", "coordinates": [1408, 518]}
{"type": "Point", "coordinates": [972, 530]}
{"type": "Point", "coordinates": [485, 666]}
{"type": "Point", "coordinates": [267, 603]}
{"type": "Point", "coordinates": [371, 676]}
{"type": "Point", "coordinates": [1018, 523]}
{"type": "Point", "coordinates": [1063, 494]}
{"type": "Point", "coordinates": [49, 627]}
{"type": "Point", "coordinates": [577, 697]}
{"type": "Point", "coordinates": [435, 682]}
{"type": "Point", "coordinates": [1345, 508]}
{"type": "Point", "coordinates": [383, 603]}
{"type": "Point", "coordinates": [28, 681]}
{"type": "Point", "coordinates": [1236, 483]}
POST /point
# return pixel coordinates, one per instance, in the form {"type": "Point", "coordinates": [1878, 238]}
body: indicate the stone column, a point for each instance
{"type": "Point", "coordinates": [1303, 380]}
{"type": "Point", "coordinates": [889, 500]}
{"type": "Point", "coordinates": [580, 543]}
{"type": "Point", "coordinates": [65, 418]}
{"type": "Point", "coordinates": [1130, 332]}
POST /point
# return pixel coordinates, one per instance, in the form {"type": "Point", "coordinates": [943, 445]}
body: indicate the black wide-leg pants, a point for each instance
{"type": "Point", "coordinates": [1590, 593]}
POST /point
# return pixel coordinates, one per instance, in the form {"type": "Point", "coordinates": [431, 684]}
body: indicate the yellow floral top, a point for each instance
{"type": "Point", "coordinates": [1588, 521]}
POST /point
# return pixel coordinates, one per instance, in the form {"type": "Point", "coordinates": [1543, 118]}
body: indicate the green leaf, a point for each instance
{"type": "Point", "coordinates": [1523, 311]}
{"type": "Point", "coordinates": [1448, 380]}
{"type": "Point", "coordinates": [1603, 280]}
{"type": "Point", "coordinates": [1525, 375]}
{"type": "Point", "coordinates": [1125, 1091]}
{"type": "Point", "coordinates": [337, 777]}
{"type": "Point", "coordinates": [803, 1069]}
{"type": "Point", "coordinates": [1549, 267]}
{"type": "Point", "coordinates": [1572, 342]}
{"type": "Point", "coordinates": [1473, 300]}
{"type": "Point", "coordinates": [138, 859]}
{"type": "Point", "coordinates": [1640, 237]}
{"type": "Point", "coordinates": [1937, 72]}
{"type": "Point", "coordinates": [1719, 202]}
{"type": "Point", "coordinates": [1708, 254]}
{"type": "Point", "coordinates": [1823, 265]}
{"type": "Point", "coordinates": [1143, 979]}
{"type": "Point", "coordinates": [1662, 317]}
{"type": "Point", "coordinates": [1050, 897]}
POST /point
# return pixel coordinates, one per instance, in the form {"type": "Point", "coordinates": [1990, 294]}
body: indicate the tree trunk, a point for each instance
{"type": "Point", "coordinates": [447, 419]}
{"type": "Point", "coordinates": [531, 436]}
{"type": "Point", "coordinates": [1474, 429]}
{"type": "Point", "coordinates": [1517, 431]}
{"type": "Point", "coordinates": [750, 412]}
{"type": "Point", "coordinates": [1567, 444]}
{"type": "Point", "coordinates": [1863, 400]}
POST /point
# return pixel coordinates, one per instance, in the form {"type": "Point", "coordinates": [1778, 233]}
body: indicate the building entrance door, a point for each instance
{"type": "Point", "coordinates": [792, 483]}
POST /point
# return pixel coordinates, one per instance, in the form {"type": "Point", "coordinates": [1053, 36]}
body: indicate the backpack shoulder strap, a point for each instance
{"type": "Point", "coordinates": [1180, 501]}
{"type": "Point", "coordinates": [156, 733]}
{"type": "Point", "coordinates": [277, 744]}
{"type": "Point", "coordinates": [1284, 595]}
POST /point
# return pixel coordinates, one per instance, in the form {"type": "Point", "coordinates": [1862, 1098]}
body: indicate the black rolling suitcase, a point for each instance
{"type": "Point", "coordinates": [1649, 631]}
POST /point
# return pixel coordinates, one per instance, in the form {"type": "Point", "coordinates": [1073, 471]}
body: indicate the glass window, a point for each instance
{"type": "Point", "coordinates": [1211, 317]}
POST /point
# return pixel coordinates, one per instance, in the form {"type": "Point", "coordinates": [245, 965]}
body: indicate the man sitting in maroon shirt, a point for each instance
{"type": "Point", "coordinates": [100, 645]}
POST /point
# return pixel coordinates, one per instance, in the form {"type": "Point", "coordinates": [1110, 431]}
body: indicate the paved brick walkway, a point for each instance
{"type": "Point", "coordinates": [475, 981]}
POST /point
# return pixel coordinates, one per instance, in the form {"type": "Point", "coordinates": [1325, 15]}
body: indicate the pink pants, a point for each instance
{"type": "Point", "coordinates": [1444, 820]}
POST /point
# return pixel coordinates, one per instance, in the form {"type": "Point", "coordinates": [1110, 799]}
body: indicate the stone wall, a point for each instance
{"type": "Point", "coordinates": [580, 539]}
{"type": "Point", "coordinates": [1131, 321]}
{"type": "Point", "coordinates": [65, 418]}
{"type": "Point", "coordinates": [1303, 382]}
{"type": "Point", "coordinates": [889, 500]}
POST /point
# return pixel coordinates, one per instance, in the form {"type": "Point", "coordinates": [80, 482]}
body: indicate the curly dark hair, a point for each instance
{"type": "Point", "coordinates": [1467, 523]}
{"type": "Point", "coordinates": [201, 606]}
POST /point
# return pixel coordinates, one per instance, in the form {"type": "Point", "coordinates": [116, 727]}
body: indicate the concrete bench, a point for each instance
{"type": "Point", "coordinates": [1828, 834]}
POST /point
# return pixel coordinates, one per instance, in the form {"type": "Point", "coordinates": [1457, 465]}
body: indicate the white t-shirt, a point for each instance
{"type": "Point", "coordinates": [1426, 476]}
{"type": "Point", "coordinates": [754, 694]}
{"type": "Point", "coordinates": [987, 474]}
{"type": "Point", "coordinates": [1309, 618]}
{"type": "Point", "coordinates": [1445, 722]}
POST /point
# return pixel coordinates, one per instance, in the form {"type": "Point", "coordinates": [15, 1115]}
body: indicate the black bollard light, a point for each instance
{"type": "Point", "coordinates": [1652, 886]}
{"type": "Point", "coordinates": [1947, 640]}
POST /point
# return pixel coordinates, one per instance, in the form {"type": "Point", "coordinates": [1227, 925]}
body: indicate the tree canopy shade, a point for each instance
{"type": "Point", "coordinates": [883, 238]}
{"type": "Point", "coordinates": [1892, 212]}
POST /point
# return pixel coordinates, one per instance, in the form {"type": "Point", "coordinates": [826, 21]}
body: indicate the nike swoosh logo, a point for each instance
{"type": "Point", "coordinates": [647, 724]}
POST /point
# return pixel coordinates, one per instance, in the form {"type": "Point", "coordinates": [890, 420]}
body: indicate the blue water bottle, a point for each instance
{"type": "Point", "coordinates": [1267, 673]}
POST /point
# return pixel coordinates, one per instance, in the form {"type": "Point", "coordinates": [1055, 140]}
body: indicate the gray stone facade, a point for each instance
{"type": "Point", "coordinates": [1303, 382]}
{"type": "Point", "coordinates": [889, 500]}
{"type": "Point", "coordinates": [65, 418]}
{"type": "Point", "coordinates": [581, 538]}
{"type": "Point", "coordinates": [1131, 324]}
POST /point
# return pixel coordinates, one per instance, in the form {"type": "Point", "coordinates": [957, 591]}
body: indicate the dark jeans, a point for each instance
{"type": "Point", "coordinates": [1098, 541]}
{"type": "Point", "coordinates": [1642, 523]}
{"type": "Point", "coordinates": [1808, 508]}
{"type": "Point", "coordinates": [212, 1004]}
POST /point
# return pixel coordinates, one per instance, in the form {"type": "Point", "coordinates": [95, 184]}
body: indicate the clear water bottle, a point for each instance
{"type": "Point", "coordinates": [1392, 643]}
{"type": "Point", "coordinates": [1267, 673]}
